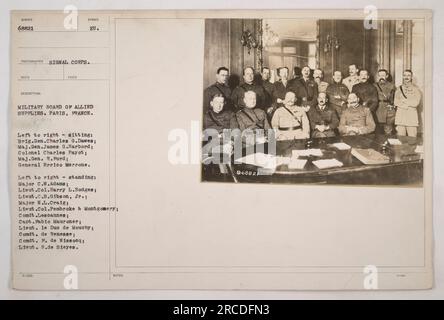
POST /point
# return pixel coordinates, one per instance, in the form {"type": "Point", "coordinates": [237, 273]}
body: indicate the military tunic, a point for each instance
{"type": "Point", "coordinates": [268, 87]}
{"type": "Point", "coordinates": [218, 121]}
{"type": "Point", "coordinates": [279, 92]}
{"type": "Point", "coordinates": [322, 86]}
{"type": "Point", "coordinates": [247, 118]}
{"type": "Point", "coordinates": [217, 88]}
{"type": "Point", "coordinates": [359, 117]}
{"type": "Point", "coordinates": [385, 111]}
{"type": "Point", "coordinates": [368, 95]}
{"type": "Point", "coordinates": [337, 94]}
{"type": "Point", "coordinates": [350, 81]}
{"type": "Point", "coordinates": [407, 100]}
{"type": "Point", "coordinates": [306, 92]}
{"type": "Point", "coordinates": [327, 116]}
{"type": "Point", "coordinates": [238, 95]}
{"type": "Point", "coordinates": [291, 123]}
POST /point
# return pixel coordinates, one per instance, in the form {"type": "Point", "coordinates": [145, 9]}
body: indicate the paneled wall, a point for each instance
{"type": "Point", "coordinates": [223, 47]}
{"type": "Point", "coordinates": [355, 44]}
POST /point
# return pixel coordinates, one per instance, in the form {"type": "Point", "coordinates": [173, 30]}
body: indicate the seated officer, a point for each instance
{"type": "Point", "coordinates": [250, 116]}
{"type": "Point", "coordinates": [323, 118]}
{"type": "Point", "coordinates": [356, 119]}
{"type": "Point", "coordinates": [217, 117]}
{"type": "Point", "coordinates": [290, 120]}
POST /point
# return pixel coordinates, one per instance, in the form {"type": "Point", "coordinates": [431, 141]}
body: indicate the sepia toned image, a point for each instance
{"type": "Point", "coordinates": [328, 101]}
{"type": "Point", "coordinates": [123, 178]}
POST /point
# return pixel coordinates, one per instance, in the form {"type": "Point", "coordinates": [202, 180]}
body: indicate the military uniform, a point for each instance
{"type": "Point", "coordinates": [337, 94]}
{"type": "Point", "coordinates": [291, 123]}
{"type": "Point", "coordinates": [279, 92]}
{"type": "Point", "coordinates": [306, 92]}
{"type": "Point", "coordinates": [359, 117]}
{"type": "Point", "coordinates": [247, 118]}
{"type": "Point", "coordinates": [350, 81]}
{"type": "Point", "coordinates": [268, 87]}
{"type": "Point", "coordinates": [217, 88]}
{"type": "Point", "coordinates": [386, 111]}
{"type": "Point", "coordinates": [322, 86]}
{"type": "Point", "coordinates": [292, 82]}
{"type": "Point", "coordinates": [238, 96]}
{"type": "Point", "coordinates": [367, 94]}
{"type": "Point", "coordinates": [326, 116]}
{"type": "Point", "coordinates": [218, 121]}
{"type": "Point", "coordinates": [407, 100]}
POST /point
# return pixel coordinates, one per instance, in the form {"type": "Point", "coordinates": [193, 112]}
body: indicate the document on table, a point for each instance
{"type": "Point", "coordinates": [307, 153]}
{"type": "Point", "coordinates": [327, 163]}
{"type": "Point", "coordinates": [105, 173]}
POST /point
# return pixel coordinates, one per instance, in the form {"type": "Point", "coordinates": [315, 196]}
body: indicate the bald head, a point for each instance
{"type": "Point", "coordinates": [352, 100]}
{"type": "Point", "coordinates": [250, 99]}
{"type": "Point", "coordinates": [290, 99]}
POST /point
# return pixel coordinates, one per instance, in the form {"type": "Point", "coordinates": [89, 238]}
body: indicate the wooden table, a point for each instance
{"type": "Point", "coordinates": [405, 166]}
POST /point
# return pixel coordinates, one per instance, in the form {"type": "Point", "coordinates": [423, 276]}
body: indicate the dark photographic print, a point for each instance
{"type": "Point", "coordinates": [314, 101]}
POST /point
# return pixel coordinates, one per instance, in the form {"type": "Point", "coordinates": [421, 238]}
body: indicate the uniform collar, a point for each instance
{"type": "Point", "coordinates": [323, 109]}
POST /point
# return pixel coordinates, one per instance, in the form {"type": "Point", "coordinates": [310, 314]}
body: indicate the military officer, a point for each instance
{"type": "Point", "coordinates": [268, 86]}
{"type": "Point", "coordinates": [353, 77]}
{"type": "Point", "coordinates": [220, 87]}
{"type": "Point", "coordinates": [318, 75]}
{"type": "Point", "coordinates": [386, 110]}
{"type": "Point", "coordinates": [297, 74]}
{"type": "Point", "coordinates": [337, 93]}
{"type": "Point", "coordinates": [290, 121]}
{"type": "Point", "coordinates": [306, 90]}
{"type": "Point", "coordinates": [280, 88]}
{"type": "Point", "coordinates": [250, 116]}
{"type": "Point", "coordinates": [407, 100]}
{"type": "Point", "coordinates": [238, 94]}
{"type": "Point", "coordinates": [367, 93]}
{"type": "Point", "coordinates": [217, 117]}
{"type": "Point", "coordinates": [323, 118]}
{"type": "Point", "coordinates": [356, 119]}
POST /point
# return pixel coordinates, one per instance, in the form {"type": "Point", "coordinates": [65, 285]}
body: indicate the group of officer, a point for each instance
{"type": "Point", "coordinates": [307, 106]}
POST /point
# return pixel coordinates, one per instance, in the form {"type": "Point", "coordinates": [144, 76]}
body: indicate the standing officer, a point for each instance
{"type": "Point", "coordinates": [386, 110]}
{"type": "Point", "coordinates": [367, 93]}
{"type": "Point", "coordinates": [238, 94]}
{"type": "Point", "coordinates": [306, 90]}
{"type": "Point", "coordinates": [353, 77]}
{"type": "Point", "coordinates": [220, 87]}
{"type": "Point", "coordinates": [281, 87]}
{"type": "Point", "coordinates": [318, 75]}
{"type": "Point", "coordinates": [407, 100]}
{"type": "Point", "coordinates": [337, 93]}
{"type": "Point", "coordinates": [268, 86]}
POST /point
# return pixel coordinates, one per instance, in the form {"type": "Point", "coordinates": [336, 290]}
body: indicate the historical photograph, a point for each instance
{"type": "Point", "coordinates": [314, 101]}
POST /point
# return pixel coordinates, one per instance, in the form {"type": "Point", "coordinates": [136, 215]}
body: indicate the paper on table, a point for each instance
{"type": "Point", "coordinates": [341, 146]}
{"type": "Point", "coordinates": [394, 142]}
{"type": "Point", "coordinates": [263, 160]}
{"type": "Point", "coordinates": [419, 149]}
{"type": "Point", "coordinates": [296, 163]}
{"type": "Point", "coordinates": [327, 163]}
{"type": "Point", "coordinates": [282, 160]}
{"type": "Point", "coordinates": [307, 152]}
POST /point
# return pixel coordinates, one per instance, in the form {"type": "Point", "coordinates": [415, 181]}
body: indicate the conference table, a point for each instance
{"type": "Point", "coordinates": [404, 165]}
